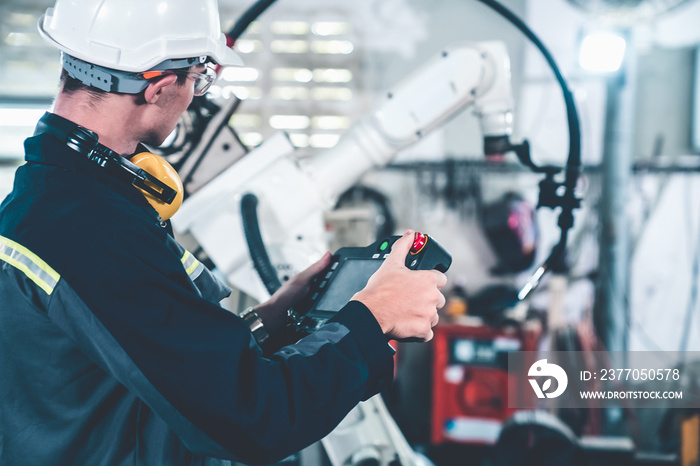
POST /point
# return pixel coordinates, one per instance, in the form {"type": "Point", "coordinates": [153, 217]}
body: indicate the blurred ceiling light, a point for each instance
{"type": "Point", "coordinates": [247, 120]}
{"type": "Point", "coordinates": [241, 92]}
{"type": "Point", "coordinates": [301, 75]}
{"type": "Point", "coordinates": [330, 28]}
{"type": "Point", "coordinates": [233, 74]}
{"type": "Point", "coordinates": [20, 19]}
{"type": "Point", "coordinates": [602, 52]}
{"type": "Point", "coordinates": [330, 122]}
{"type": "Point", "coordinates": [290, 27]}
{"type": "Point", "coordinates": [331, 93]}
{"type": "Point", "coordinates": [289, 93]}
{"type": "Point", "coordinates": [18, 39]}
{"type": "Point", "coordinates": [343, 47]}
{"type": "Point", "coordinates": [289, 46]}
{"type": "Point", "coordinates": [248, 46]}
{"type": "Point", "coordinates": [289, 121]}
{"type": "Point", "coordinates": [332, 75]}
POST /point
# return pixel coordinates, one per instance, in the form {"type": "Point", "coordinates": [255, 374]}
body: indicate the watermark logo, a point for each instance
{"type": "Point", "coordinates": [543, 369]}
{"type": "Point", "coordinates": [601, 379]}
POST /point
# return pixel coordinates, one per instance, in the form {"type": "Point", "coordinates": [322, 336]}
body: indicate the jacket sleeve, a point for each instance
{"type": "Point", "coordinates": [130, 305]}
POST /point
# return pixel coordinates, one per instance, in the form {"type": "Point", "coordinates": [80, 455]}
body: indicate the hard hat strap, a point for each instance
{"type": "Point", "coordinates": [125, 82]}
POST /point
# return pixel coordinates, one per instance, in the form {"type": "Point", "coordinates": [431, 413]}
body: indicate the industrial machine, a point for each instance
{"type": "Point", "coordinates": [470, 379]}
{"type": "Point", "coordinates": [273, 202]}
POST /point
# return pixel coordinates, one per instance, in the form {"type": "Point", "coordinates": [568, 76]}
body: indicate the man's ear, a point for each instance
{"type": "Point", "coordinates": [154, 90]}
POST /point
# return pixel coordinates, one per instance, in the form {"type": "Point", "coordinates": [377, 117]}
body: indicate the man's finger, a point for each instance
{"type": "Point", "coordinates": [320, 264]}
{"type": "Point", "coordinates": [440, 279]}
{"type": "Point", "coordinates": [441, 301]}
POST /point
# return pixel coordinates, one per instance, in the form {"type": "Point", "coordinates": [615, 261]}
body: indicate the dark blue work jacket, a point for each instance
{"type": "Point", "coordinates": [114, 349]}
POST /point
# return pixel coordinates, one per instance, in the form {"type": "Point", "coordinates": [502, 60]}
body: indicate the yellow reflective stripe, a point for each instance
{"type": "Point", "coordinates": [192, 267]}
{"type": "Point", "coordinates": [29, 263]}
{"type": "Point", "coordinates": [185, 256]}
{"type": "Point", "coordinates": [189, 262]}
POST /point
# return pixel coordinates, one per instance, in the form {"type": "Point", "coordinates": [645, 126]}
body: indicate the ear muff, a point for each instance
{"type": "Point", "coordinates": [160, 169]}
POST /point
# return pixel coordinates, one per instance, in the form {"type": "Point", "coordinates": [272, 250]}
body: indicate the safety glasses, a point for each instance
{"type": "Point", "coordinates": [202, 81]}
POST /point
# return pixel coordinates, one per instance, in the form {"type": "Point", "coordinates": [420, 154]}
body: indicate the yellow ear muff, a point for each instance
{"type": "Point", "coordinates": [163, 171]}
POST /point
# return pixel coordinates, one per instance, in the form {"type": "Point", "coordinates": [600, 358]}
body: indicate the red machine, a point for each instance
{"type": "Point", "coordinates": [470, 380]}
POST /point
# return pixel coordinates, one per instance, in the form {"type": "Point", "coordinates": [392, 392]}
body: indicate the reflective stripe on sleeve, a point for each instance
{"type": "Point", "coordinates": [192, 266]}
{"type": "Point", "coordinates": [29, 263]}
{"type": "Point", "coordinates": [330, 333]}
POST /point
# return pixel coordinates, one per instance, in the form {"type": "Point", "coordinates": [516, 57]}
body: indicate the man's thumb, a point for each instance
{"type": "Point", "coordinates": [400, 249]}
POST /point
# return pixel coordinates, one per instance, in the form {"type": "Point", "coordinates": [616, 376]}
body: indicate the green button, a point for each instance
{"type": "Point", "coordinates": [384, 245]}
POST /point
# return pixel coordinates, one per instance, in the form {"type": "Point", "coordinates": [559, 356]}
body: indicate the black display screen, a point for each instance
{"type": "Point", "coordinates": [351, 276]}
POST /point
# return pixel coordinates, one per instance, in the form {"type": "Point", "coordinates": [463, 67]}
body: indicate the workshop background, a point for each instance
{"type": "Point", "coordinates": [632, 270]}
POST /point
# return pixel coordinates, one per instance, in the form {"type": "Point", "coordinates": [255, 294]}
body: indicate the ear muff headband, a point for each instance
{"type": "Point", "coordinates": [160, 185]}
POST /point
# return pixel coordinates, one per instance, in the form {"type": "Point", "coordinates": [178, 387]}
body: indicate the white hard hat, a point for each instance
{"type": "Point", "coordinates": [137, 35]}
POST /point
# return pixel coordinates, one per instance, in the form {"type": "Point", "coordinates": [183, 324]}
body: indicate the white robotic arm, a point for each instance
{"type": "Point", "coordinates": [461, 75]}
{"type": "Point", "coordinates": [294, 197]}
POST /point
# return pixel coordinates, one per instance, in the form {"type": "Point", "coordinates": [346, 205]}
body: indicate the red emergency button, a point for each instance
{"type": "Point", "coordinates": [419, 242]}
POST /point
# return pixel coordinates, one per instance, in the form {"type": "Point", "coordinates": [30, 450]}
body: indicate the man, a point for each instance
{"type": "Point", "coordinates": [113, 347]}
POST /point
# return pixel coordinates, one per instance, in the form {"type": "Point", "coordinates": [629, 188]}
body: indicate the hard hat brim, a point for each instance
{"type": "Point", "coordinates": [229, 58]}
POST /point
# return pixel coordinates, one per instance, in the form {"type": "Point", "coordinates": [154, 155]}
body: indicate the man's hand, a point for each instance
{"type": "Point", "coordinates": [273, 312]}
{"type": "Point", "coordinates": [404, 302]}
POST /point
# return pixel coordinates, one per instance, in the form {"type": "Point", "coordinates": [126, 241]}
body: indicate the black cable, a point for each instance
{"type": "Point", "coordinates": [567, 201]}
{"type": "Point", "coordinates": [250, 15]}
{"type": "Point", "coordinates": [256, 246]}
{"type": "Point", "coordinates": [571, 113]}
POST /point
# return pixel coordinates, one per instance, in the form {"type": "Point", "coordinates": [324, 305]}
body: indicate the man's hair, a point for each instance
{"type": "Point", "coordinates": [71, 85]}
